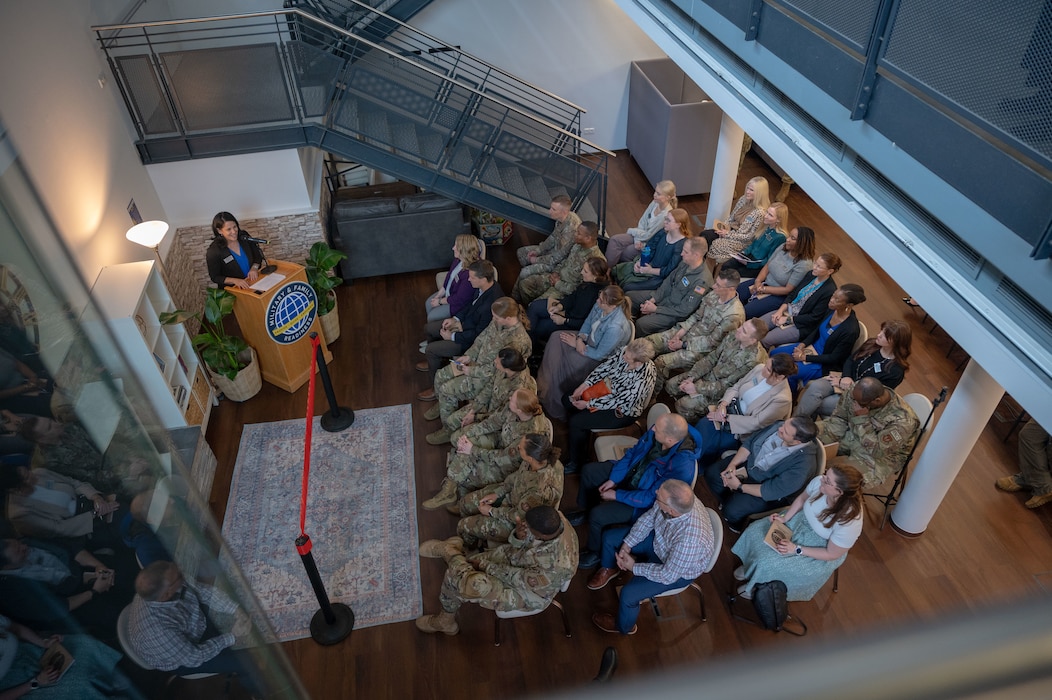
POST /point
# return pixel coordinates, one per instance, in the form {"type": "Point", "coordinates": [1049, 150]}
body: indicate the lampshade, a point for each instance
{"type": "Point", "coordinates": [148, 233]}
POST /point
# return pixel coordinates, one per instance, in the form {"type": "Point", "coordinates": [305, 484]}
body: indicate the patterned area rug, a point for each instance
{"type": "Point", "coordinates": [360, 517]}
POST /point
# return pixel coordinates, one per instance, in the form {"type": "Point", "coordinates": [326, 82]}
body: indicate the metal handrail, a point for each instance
{"type": "Point", "coordinates": [350, 35]}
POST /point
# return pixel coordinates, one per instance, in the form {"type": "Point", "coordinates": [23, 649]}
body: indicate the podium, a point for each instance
{"type": "Point", "coordinates": [278, 323]}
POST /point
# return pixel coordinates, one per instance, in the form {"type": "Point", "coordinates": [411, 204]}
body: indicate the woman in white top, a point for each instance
{"type": "Point", "coordinates": [826, 520]}
{"type": "Point", "coordinates": [627, 246]}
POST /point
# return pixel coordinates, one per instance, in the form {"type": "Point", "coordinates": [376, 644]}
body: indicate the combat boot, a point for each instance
{"type": "Point", "coordinates": [433, 413]}
{"type": "Point", "coordinates": [441, 549]}
{"type": "Point", "coordinates": [439, 437]}
{"type": "Point", "coordinates": [446, 495]}
{"type": "Point", "coordinates": [443, 622]}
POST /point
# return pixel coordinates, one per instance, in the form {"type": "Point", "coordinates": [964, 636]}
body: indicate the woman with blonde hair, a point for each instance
{"type": "Point", "coordinates": [624, 247]}
{"type": "Point", "coordinates": [660, 256]}
{"type": "Point", "coordinates": [755, 255]}
{"type": "Point", "coordinates": [743, 224]}
{"type": "Point", "coordinates": [454, 292]}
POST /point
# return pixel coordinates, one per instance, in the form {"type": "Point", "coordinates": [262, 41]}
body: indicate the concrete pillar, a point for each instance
{"type": "Point", "coordinates": [725, 171]}
{"type": "Point", "coordinates": [962, 420]}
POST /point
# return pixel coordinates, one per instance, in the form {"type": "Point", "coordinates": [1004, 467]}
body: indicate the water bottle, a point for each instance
{"type": "Point", "coordinates": [644, 257]}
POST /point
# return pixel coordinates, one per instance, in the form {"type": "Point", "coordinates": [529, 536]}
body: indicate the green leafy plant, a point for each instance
{"type": "Point", "coordinates": [320, 263]}
{"type": "Point", "coordinates": [219, 350]}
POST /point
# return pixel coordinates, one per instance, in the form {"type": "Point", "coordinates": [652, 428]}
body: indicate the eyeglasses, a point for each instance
{"type": "Point", "coordinates": [829, 482]}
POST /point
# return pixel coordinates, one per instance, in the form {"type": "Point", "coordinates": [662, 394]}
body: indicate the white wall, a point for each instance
{"type": "Point", "coordinates": [530, 40]}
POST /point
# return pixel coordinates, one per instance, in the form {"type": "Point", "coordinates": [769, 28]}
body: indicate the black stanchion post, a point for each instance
{"type": "Point", "coordinates": [339, 417]}
{"type": "Point", "coordinates": [333, 623]}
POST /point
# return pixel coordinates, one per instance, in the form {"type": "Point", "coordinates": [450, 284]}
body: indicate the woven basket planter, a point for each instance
{"type": "Point", "coordinates": [245, 385]}
{"type": "Point", "coordinates": [330, 322]}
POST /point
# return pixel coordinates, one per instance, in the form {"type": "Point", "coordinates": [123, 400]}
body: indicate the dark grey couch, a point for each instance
{"type": "Point", "coordinates": [388, 235]}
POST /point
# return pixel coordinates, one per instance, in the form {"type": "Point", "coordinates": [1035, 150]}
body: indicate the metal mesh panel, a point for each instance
{"type": "Point", "coordinates": [993, 59]}
{"type": "Point", "coordinates": [227, 87]}
{"type": "Point", "coordinates": [852, 20]}
{"type": "Point", "coordinates": [313, 72]}
{"type": "Point", "coordinates": [144, 92]}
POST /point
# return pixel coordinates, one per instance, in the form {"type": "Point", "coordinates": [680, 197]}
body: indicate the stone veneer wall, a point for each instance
{"type": "Point", "coordinates": [290, 239]}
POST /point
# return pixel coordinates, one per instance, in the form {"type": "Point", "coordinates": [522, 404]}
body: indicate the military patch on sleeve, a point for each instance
{"type": "Point", "coordinates": [699, 290]}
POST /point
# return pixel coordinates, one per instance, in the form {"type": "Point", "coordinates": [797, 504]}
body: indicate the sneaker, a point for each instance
{"type": "Point", "coordinates": [1038, 501]}
{"type": "Point", "coordinates": [744, 592]}
{"type": "Point", "coordinates": [1009, 484]}
{"type": "Point", "coordinates": [576, 517]}
{"type": "Point", "coordinates": [571, 468]}
{"type": "Point", "coordinates": [739, 574]}
{"type": "Point", "coordinates": [588, 560]}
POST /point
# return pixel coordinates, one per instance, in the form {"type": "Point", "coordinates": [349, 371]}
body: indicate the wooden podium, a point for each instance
{"type": "Point", "coordinates": [264, 315]}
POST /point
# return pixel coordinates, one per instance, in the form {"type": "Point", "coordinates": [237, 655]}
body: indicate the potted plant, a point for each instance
{"type": "Point", "coordinates": [319, 265]}
{"type": "Point", "coordinates": [231, 363]}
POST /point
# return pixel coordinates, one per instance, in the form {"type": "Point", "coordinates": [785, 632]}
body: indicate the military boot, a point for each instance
{"type": "Point", "coordinates": [446, 495]}
{"type": "Point", "coordinates": [439, 437]}
{"type": "Point", "coordinates": [443, 622]}
{"type": "Point", "coordinates": [441, 549]}
{"type": "Point", "coordinates": [433, 413]}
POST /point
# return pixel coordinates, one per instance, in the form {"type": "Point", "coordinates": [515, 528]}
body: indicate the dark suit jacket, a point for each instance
{"type": "Point", "coordinates": [815, 308]}
{"type": "Point", "coordinates": [838, 345]}
{"type": "Point", "coordinates": [219, 268]}
{"type": "Point", "coordinates": [788, 476]}
{"type": "Point", "coordinates": [476, 316]}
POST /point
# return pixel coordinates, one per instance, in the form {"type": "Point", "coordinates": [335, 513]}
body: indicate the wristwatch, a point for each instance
{"type": "Point", "coordinates": [34, 684]}
{"type": "Point", "coordinates": [799, 550]}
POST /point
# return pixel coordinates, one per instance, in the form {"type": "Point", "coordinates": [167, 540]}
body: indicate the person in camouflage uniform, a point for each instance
{"type": "Point", "coordinates": [704, 383]}
{"type": "Point", "coordinates": [719, 313]}
{"type": "Point", "coordinates": [490, 513]}
{"type": "Point", "coordinates": [457, 383]}
{"type": "Point", "coordinates": [484, 415]}
{"type": "Point", "coordinates": [556, 246]}
{"type": "Point", "coordinates": [875, 428]}
{"type": "Point", "coordinates": [525, 574]}
{"type": "Point", "coordinates": [556, 281]}
{"type": "Point", "coordinates": [469, 467]}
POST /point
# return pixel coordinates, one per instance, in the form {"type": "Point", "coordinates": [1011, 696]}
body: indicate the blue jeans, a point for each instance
{"type": "Point", "coordinates": [804, 374]}
{"type": "Point", "coordinates": [714, 442]}
{"type": "Point", "coordinates": [639, 588]}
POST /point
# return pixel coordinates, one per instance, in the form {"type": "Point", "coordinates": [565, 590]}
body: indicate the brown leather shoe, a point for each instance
{"type": "Point", "coordinates": [422, 366]}
{"type": "Point", "coordinates": [607, 623]}
{"type": "Point", "coordinates": [427, 395]}
{"type": "Point", "coordinates": [601, 577]}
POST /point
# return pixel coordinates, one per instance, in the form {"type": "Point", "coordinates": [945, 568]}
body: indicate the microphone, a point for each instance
{"type": "Point", "coordinates": [250, 239]}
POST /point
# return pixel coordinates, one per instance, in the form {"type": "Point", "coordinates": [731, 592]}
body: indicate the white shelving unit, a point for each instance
{"type": "Point", "coordinates": [131, 296]}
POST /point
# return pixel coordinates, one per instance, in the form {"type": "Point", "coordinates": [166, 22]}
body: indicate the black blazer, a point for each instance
{"type": "Point", "coordinates": [838, 344]}
{"type": "Point", "coordinates": [476, 316]}
{"type": "Point", "coordinates": [815, 308]}
{"type": "Point", "coordinates": [221, 263]}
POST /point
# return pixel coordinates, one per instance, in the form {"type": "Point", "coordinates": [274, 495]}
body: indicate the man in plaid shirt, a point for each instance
{"type": "Point", "coordinates": [667, 548]}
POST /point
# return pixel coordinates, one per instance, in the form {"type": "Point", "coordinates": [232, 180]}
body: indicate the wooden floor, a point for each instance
{"type": "Point", "coordinates": [982, 546]}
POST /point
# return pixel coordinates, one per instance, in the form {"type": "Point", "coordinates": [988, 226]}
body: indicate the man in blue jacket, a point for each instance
{"type": "Point", "coordinates": [619, 492]}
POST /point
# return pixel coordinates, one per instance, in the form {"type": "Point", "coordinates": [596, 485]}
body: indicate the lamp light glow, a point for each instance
{"type": "Point", "coordinates": [148, 233]}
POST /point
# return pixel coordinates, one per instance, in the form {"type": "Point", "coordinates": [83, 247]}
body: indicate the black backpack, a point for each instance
{"type": "Point", "coordinates": [769, 600]}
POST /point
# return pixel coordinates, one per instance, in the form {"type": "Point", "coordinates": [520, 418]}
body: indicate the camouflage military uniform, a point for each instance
{"type": "Point", "coordinates": [77, 457]}
{"type": "Point", "coordinates": [536, 285]}
{"type": "Point", "coordinates": [520, 575]}
{"type": "Point", "coordinates": [552, 249]}
{"type": "Point", "coordinates": [451, 390]}
{"type": "Point", "coordinates": [482, 466]}
{"type": "Point", "coordinates": [875, 443]}
{"type": "Point", "coordinates": [713, 374]}
{"type": "Point", "coordinates": [522, 490]}
{"type": "Point", "coordinates": [705, 328]}
{"type": "Point", "coordinates": [490, 408]}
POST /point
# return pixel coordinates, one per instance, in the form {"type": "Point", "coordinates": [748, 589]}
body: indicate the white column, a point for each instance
{"type": "Point", "coordinates": [724, 170]}
{"type": "Point", "coordinates": [959, 424]}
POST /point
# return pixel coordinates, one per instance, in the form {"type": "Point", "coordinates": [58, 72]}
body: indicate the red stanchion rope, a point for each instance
{"type": "Point", "coordinates": [315, 342]}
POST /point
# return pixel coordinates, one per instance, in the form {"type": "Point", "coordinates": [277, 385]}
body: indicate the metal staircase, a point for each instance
{"type": "Point", "coordinates": [399, 101]}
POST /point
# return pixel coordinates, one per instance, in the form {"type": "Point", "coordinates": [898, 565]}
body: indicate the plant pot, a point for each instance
{"type": "Point", "coordinates": [245, 385]}
{"type": "Point", "coordinates": [330, 322]}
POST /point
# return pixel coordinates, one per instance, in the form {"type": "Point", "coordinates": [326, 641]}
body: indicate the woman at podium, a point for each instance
{"type": "Point", "coordinates": [233, 258]}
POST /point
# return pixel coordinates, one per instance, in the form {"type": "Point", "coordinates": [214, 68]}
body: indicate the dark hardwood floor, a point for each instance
{"type": "Point", "coordinates": [982, 546]}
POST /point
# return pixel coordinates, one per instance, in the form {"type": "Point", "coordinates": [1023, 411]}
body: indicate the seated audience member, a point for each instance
{"type": "Point", "coordinates": [755, 255]}
{"type": "Point", "coordinates": [1035, 456]}
{"type": "Point", "coordinates": [137, 534]}
{"type": "Point", "coordinates": [455, 292]}
{"type": "Point", "coordinates": [172, 627]}
{"type": "Point", "coordinates": [619, 492]}
{"type": "Point", "coordinates": [875, 430]}
{"type": "Point", "coordinates": [703, 384]}
{"type": "Point", "coordinates": [741, 226]}
{"type": "Point", "coordinates": [47, 583]}
{"type": "Point", "coordinates": [570, 356]}
{"type": "Point", "coordinates": [11, 440]}
{"type": "Point", "coordinates": [524, 574]}
{"type": "Point", "coordinates": [561, 278]}
{"type": "Point", "coordinates": [827, 347]}
{"type": "Point", "coordinates": [758, 399]}
{"type": "Point", "coordinates": [770, 468]}
{"type": "Point", "coordinates": [464, 377]}
{"type": "Point", "coordinates": [94, 676]}
{"type": "Point", "coordinates": [553, 249]}
{"type": "Point", "coordinates": [685, 343]}
{"type": "Point", "coordinates": [490, 513]}
{"type": "Point", "coordinates": [885, 357]}
{"type": "Point", "coordinates": [613, 396]}
{"type": "Point", "coordinates": [470, 467]}
{"type": "Point", "coordinates": [625, 247]}
{"type": "Point", "coordinates": [805, 306]}
{"type": "Point", "coordinates": [666, 548]}
{"type": "Point", "coordinates": [450, 337]}
{"type": "Point", "coordinates": [483, 415]}
{"type": "Point", "coordinates": [826, 520]}
{"type": "Point", "coordinates": [659, 256]}
{"type": "Point", "coordinates": [41, 503]}
{"type": "Point", "coordinates": [679, 294]}
{"type": "Point", "coordinates": [548, 315]}
{"type": "Point", "coordinates": [21, 390]}
{"type": "Point", "coordinates": [786, 267]}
